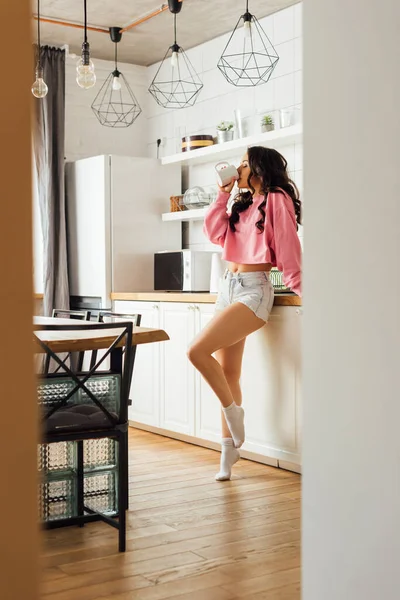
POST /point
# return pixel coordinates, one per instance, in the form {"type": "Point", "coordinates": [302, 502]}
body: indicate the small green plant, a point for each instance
{"type": "Point", "coordinates": [225, 126]}
{"type": "Point", "coordinates": [267, 120]}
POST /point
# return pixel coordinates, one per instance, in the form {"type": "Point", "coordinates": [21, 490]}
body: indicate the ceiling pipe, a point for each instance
{"type": "Point", "coordinates": [151, 15]}
{"type": "Point", "coordinates": [135, 23]}
{"type": "Point", "coordinates": [74, 25]}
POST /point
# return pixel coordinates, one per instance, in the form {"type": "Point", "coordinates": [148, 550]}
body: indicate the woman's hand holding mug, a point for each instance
{"type": "Point", "coordinates": [227, 175]}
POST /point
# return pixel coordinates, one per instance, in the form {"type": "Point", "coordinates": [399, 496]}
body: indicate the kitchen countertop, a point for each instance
{"type": "Point", "coordinates": [199, 297]}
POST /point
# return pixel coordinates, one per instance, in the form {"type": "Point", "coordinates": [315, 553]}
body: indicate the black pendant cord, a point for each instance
{"type": "Point", "coordinates": [116, 56]}
{"type": "Point", "coordinates": [175, 28]}
{"type": "Point", "coordinates": [85, 11]}
{"type": "Point", "coordinates": [247, 6]}
{"type": "Point", "coordinates": [38, 34]}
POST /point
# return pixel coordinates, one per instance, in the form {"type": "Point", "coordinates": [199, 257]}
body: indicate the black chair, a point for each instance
{"type": "Point", "coordinates": [78, 406]}
{"type": "Point", "coordinates": [79, 315]}
{"type": "Point", "coordinates": [112, 317]}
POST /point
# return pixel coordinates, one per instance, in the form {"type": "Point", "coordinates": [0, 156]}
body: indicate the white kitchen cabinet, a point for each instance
{"type": "Point", "coordinates": [177, 403]}
{"type": "Point", "coordinates": [145, 388]}
{"type": "Point", "coordinates": [171, 397]}
{"type": "Point", "coordinates": [271, 387]}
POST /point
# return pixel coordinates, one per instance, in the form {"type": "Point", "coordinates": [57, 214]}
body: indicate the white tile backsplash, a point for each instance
{"type": "Point", "coordinates": [298, 53]}
{"type": "Point", "coordinates": [298, 87]}
{"type": "Point", "coordinates": [284, 93]}
{"type": "Point", "coordinates": [264, 98]}
{"type": "Point", "coordinates": [298, 20]}
{"type": "Point", "coordinates": [159, 127]}
{"type": "Point", "coordinates": [214, 51]}
{"type": "Point", "coordinates": [298, 157]}
{"type": "Point", "coordinates": [284, 24]}
{"type": "Point", "coordinates": [196, 240]}
{"type": "Point", "coordinates": [286, 59]}
{"type": "Point", "coordinates": [215, 85]}
{"type": "Point", "coordinates": [298, 179]}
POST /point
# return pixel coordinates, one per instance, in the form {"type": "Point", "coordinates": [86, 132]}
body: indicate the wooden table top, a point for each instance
{"type": "Point", "coordinates": [195, 297]}
{"type": "Point", "coordinates": [75, 340]}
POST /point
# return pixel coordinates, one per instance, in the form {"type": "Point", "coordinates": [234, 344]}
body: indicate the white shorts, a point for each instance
{"type": "Point", "coordinates": [251, 289]}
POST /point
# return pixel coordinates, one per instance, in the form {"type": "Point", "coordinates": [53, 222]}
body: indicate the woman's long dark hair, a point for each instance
{"type": "Point", "coordinates": [271, 168]}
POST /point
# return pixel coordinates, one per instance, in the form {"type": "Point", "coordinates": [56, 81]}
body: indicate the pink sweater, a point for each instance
{"type": "Point", "coordinates": [278, 244]}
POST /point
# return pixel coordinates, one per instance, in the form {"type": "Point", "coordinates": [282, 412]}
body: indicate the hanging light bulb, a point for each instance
{"type": "Point", "coordinates": [116, 84]}
{"type": "Point", "coordinates": [174, 47]}
{"type": "Point", "coordinates": [175, 55]}
{"type": "Point", "coordinates": [247, 27]}
{"type": "Point", "coordinates": [39, 88]}
{"type": "Point", "coordinates": [86, 80]}
{"type": "Point", "coordinates": [82, 68]}
{"type": "Point", "coordinates": [86, 77]}
{"type": "Point", "coordinates": [174, 60]}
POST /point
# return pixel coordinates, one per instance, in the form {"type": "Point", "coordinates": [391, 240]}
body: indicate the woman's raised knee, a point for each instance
{"type": "Point", "coordinates": [197, 353]}
{"type": "Point", "coordinates": [194, 354]}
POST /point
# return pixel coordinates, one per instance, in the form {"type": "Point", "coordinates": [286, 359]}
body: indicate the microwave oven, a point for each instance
{"type": "Point", "coordinates": [182, 271]}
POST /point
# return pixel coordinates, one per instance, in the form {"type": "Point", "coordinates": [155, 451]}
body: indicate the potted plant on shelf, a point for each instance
{"type": "Point", "coordinates": [225, 131]}
{"type": "Point", "coordinates": [267, 123]}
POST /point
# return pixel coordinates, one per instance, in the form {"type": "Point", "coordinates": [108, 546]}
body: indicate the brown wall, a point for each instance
{"type": "Point", "coordinates": [18, 512]}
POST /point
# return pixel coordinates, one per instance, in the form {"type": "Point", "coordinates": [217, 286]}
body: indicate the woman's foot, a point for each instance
{"type": "Point", "coordinates": [234, 416]}
{"type": "Point", "coordinates": [229, 456]}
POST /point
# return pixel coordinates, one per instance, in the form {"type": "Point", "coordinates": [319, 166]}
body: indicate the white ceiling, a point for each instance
{"type": "Point", "coordinates": [198, 22]}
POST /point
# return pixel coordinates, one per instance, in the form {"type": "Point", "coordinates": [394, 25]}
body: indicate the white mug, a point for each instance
{"type": "Point", "coordinates": [226, 173]}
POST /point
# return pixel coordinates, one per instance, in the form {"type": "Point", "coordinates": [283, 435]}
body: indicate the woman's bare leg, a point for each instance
{"type": "Point", "coordinates": [230, 360]}
{"type": "Point", "coordinates": [227, 328]}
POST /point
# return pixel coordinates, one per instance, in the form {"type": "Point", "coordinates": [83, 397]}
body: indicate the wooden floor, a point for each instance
{"type": "Point", "coordinates": [189, 537]}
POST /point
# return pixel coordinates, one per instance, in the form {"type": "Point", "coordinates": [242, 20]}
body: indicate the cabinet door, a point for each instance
{"type": "Point", "coordinates": [145, 388]}
{"type": "Point", "coordinates": [177, 374]}
{"type": "Point", "coordinates": [208, 407]}
{"type": "Point", "coordinates": [271, 387]}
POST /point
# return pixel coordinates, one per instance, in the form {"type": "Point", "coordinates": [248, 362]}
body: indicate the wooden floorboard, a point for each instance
{"type": "Point", "coordinates": [188, 537]}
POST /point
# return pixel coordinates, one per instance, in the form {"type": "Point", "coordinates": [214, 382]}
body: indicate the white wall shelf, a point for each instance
{"type": "Point", "coordinates": [196, 214]}
{"type": "Point", "coordinates": [273, 139]}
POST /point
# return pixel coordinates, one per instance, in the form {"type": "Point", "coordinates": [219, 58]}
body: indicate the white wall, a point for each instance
{"type": "Point", "coordinates": [351, 452]}
{"type": "Point", "coordinates": [84, 136]}
{"type": "Point", "coordinates": [218, 100]}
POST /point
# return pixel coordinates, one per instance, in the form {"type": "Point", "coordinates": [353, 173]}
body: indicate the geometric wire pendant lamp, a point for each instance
{"type": "Point", "coordinates": [176, 83]}
{"type": "Point", "coordinates": [115, 105]}
{"type": "Point", "coordinates": [249, 57]}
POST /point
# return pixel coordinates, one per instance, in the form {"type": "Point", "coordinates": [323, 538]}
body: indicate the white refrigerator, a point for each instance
{"type": "Point", "coordinates": [114, 208]}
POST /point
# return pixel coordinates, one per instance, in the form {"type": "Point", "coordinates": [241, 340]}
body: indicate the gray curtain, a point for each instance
{"type": "Point", "coordinates": [48, 141]}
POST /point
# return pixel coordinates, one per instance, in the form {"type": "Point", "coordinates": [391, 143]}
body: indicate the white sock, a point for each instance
{"type": "Point", "coordinates": [234, 416]}
{"type": "Point", "coordinates": [229, 456]}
